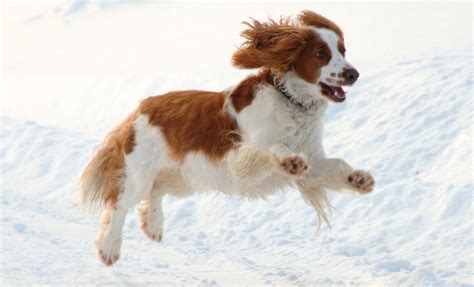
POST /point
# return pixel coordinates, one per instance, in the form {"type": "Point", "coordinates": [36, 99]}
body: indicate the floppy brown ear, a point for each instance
{"type": "Point", "coordinates": [309, 18]}
{"type": "Point", "coordinates": [274, 45]}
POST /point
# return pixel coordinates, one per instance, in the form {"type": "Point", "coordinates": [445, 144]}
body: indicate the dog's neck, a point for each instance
{"type": "Point", "coordinates": [300, 93]}
{"type": "Point", "coordinates": [287, 94]}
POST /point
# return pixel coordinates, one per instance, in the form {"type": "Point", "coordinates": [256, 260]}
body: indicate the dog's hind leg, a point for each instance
{"type": "Point", "coordinates": [109, 239]}
{"type": "Point", "coordinates": [151, 214]}
{"type": "Point", "coordinates": [151, 210]}
{"type": "Point", "coordinates": [140, 169]}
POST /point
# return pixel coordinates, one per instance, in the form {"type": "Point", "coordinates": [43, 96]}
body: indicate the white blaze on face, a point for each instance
{"type": "Point", "coordinates": [332, 73]}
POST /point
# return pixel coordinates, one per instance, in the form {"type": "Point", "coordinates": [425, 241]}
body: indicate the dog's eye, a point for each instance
{"type": "Point", "coordinates": [321, 54]}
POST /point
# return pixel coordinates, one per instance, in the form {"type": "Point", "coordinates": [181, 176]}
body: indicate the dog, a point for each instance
{"type": "Point", "coordinates": [254, 139]}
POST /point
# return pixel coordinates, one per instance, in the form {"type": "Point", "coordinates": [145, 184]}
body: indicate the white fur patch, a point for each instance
{"type": "Point", "coordinates": [143, 163]}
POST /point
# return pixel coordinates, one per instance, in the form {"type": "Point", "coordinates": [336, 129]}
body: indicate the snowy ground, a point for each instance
{"type": "Point", "coordinates": [408, 120]}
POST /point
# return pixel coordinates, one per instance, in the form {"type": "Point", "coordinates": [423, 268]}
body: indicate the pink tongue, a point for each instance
{"type": "Point", "coordinates": [339, 92]}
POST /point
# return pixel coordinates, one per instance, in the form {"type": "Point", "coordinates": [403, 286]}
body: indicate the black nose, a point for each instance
{"type": "Point", "coordinates": [350, 75]}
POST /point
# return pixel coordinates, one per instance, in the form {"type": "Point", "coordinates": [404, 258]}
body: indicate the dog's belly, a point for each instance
{"type": "Point", "coordinates": [202, 175]}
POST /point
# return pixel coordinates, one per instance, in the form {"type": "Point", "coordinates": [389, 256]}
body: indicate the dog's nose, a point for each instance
{"type": "Point", "coordinates": [350, 75]}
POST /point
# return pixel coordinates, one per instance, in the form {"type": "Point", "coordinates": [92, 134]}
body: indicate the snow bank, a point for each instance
{"type": "Point", "coordinates": [410, 123]}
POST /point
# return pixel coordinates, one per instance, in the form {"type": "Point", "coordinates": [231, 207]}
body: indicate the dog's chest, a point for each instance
{"type": "Point", "coordinates": [304, 133]}
{"type": "Point", "coordinates": [272, 119]}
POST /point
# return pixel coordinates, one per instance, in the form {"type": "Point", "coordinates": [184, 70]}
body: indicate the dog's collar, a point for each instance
{"type": "Point", "coordinates": [284, 91]}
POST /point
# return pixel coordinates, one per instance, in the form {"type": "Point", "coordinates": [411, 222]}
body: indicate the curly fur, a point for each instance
{"type": "Point", "coordinates": [274, 45]}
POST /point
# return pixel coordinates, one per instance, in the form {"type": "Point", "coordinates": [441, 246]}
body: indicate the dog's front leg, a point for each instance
{"type": "Point", "coordinates": [251, 161]}
{"type": "Point", "coordinates": [333, 174]}
{"type": "Point", "coordinates": [336, 174]}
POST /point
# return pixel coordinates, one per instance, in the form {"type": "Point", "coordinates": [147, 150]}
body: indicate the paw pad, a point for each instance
{"type": "Point", "coordinates": [294, 165]}
{"type": "Point", "coordinates": [362, 181]}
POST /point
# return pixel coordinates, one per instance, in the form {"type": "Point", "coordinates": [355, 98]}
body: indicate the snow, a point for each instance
{"type": "Point", "coordinates": [408, 120]}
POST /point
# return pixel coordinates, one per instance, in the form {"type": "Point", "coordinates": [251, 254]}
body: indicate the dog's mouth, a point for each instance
{"type": "Point", "coordinates": [335, 93]}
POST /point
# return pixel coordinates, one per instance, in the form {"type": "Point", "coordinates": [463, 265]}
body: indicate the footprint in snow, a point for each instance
{"type": "Point", "coordinates": [19, 227]}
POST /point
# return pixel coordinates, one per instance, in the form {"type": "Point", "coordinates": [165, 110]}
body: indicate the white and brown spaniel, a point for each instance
{"type": "Point", "coordinates": [253, 139]}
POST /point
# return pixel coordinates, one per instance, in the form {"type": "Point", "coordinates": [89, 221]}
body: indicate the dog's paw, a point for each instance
{"type": "Point", "coordinates": [362, 181]}
{"type": "Point", "coordinates": [154, 233]}
{"type": "Point", "coordinates": [294, 165]}
{"type": "Point", "coordinates": [151, 221]}
{"type": "Point", "coordinates": [107, 258]}
{"type": "Point", "coordinates": [108, 252]}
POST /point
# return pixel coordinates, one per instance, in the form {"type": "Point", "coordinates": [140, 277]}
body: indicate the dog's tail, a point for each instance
{"type": "Point", "coordinates": [102, 180]}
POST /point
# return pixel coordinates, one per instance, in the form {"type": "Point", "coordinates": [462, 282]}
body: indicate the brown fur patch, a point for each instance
{"type": "Point", "coordinates": [244, 93]}
{"type": "Point", "coordinates": [193, 121]}
{"type": "Point", "coordinates": [118, 144]}
{"type": "Point", "coordinates": [273, 45]}
{"type": "Point", "coordinates": [308, 65]}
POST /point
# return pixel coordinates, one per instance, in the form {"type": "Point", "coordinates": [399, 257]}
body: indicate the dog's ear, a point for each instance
{"type": "Point", "coordinates": [274, 45]}
{"type": "Point", "coordinates": [309, 18]}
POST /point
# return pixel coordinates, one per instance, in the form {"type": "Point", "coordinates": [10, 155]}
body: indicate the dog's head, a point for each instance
{"type": "Point", "coordinates": [307, 55]}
